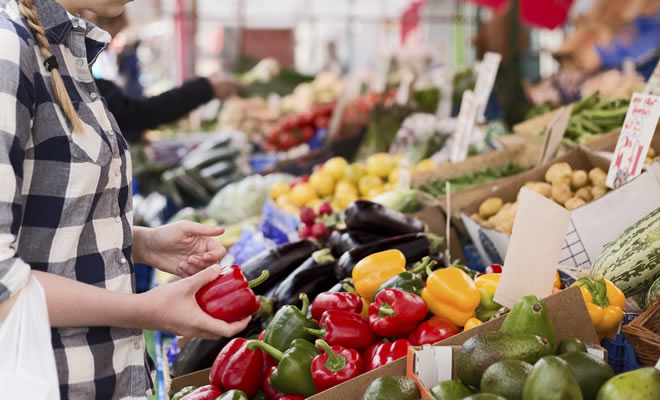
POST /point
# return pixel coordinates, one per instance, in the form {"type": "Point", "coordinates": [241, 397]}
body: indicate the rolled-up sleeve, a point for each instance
{"type": "Point", "coordinates": [16, 108]}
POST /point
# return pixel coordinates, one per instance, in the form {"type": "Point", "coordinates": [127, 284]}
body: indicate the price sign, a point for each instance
{"type": "Point", "coordinates": [464, 128]}
{"type": "Point", "coordinates": [634, 140]}
{"type": "Point", "coordinates": [653, 85]}
{"type": "Point", "coordinates": [486, 74]}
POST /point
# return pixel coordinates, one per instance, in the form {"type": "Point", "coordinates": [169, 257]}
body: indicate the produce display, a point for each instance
{"type": "Point", "coordinates": [253, 115]}
{"type": "Point", "coordinates": [594, 116]}
{"type": "Point", "coordinates": [295, 129]}
{"type": "Point", "coordinates": [567, 187]}
{"type": "Point", "coordinates": [436, 187]}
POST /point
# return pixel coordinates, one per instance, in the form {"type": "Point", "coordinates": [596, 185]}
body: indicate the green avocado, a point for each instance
{"type": "Point", "coordinates": [484, 396]}
{"type": "Point", "coordinates": [529, 315]}
{"type": "Point", "coordinates": [551, 379]}
{"type": "Point", "coordinates": [506, 378]}
{"type": "Point", "coordinates": [392, 388]}
{"type": "Point", "coordinates": [571, 345]}
{"type": "Point", "coordinates": [484, 349]}
{"type": "Point", "coordinates": [640, 384]}
{"type": "Point", "coordinates": [450, 390]}
{"type": "Point", "coordinates": [590, 372]}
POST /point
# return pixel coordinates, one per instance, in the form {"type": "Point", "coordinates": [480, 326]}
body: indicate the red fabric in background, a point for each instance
{"type": "Point", "coordinates": [548, 14]}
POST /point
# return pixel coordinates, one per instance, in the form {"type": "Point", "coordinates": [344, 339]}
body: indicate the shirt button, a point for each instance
{"type": "Point", "coordinates": [122, 260]}
{"type": "Point", "coordinates": [80, 62]}
{"type": "Point", "coordinates": [117, 172]}
{"type": "Point", "coordinates": [75, 23]}
{"type": "Point", "coordinates": [117, 219]}
{"type": "Point", "coordinates": [93, 95]}
{"type": "Point", "coordinates": [136, 346]}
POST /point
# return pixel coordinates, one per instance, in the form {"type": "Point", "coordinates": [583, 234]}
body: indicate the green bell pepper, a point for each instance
{"type": "Point", "coordinates": [410, 281]}
{"type": "Point", "coordinates": [233, 395]}
{"type": "Point", "coordinates": [294, 367]}
{"type": "Point", "coordinates": [288, 324]}
{"type": "Point", "coordinates": [487, 285]}
{"type": "Point", "coordinates": [260, 396]}
{"type": "Point", "coordinates": [183, 392]}
{"type": "Point", "coordinates": [392, 388]}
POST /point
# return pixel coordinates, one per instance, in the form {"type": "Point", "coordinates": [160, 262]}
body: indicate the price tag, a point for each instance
{"type": "Point", "coordinates": [446, 89]}
{"type": "Point", "coordinates": [378, 82]}
{"type": "Point", "coordinates": [554, 133]}
{"type": "Point", "coordinates": [486, 74]}
{"type": "Point", "coordinates": [533, 255]}
{"type": "Point", "coordinates": [653, 85]}
{"type": "Point", "coordinates": [403, 94]}
{"type": "Point", "coordinates": [634, 140]}
{"type": "Point", "coordinates": [464, 128]}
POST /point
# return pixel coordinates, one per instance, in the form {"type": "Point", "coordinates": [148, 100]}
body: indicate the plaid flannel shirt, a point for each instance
{"type": "Point", "coordinates": [65, 197]}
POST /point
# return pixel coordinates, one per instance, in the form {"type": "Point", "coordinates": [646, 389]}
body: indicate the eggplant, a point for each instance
{"type": "Point", "coordinates": [312, 277]}
{"type": "Point", "coordinates": [414, 246]}
{"type": "Point", "coordinates": [280, 261]}
{"type": "Point", "coordinates": [344, 240]}
{"type": "Point", "coordinates": [367, 216]}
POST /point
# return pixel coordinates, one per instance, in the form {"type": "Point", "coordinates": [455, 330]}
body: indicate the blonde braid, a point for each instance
{"type": "Point", "coordinates": [29, 10]}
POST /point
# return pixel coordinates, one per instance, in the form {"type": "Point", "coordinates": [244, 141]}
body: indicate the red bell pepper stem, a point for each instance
{"type": "Point", "coordinates": [335, 362]}
{"type": "Point", "coordinates": [259, 280]}
{"type": "Point", "coordinates": [386, 311]}
{"type": "Point", "coordinates": [316, 332]}
{"type": "Point", "coordinates": [256, 344]}
{"type": "Point", "coordinates": [305, 303]}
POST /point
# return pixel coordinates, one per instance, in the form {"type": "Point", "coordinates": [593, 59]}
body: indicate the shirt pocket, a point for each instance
{"type": "Point", "coordinates": [92, 144]}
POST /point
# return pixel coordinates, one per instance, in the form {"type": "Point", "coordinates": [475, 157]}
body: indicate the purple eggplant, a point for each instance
{"type": "Point", "coordinates": [366, 216]}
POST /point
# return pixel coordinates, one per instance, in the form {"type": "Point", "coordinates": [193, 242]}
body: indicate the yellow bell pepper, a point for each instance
{"type": "Point", "coordinates": [557, 283]}
{"type": "Point", "coordinates": [452, 294]}
{"type": "Point", "coordinates": [471, 323]}
{"type": "Point", "coordinates": [604, 303]}
{"type": "Point", "coordinates": [373, 270]}
{"type": "Point", "coordinates": [487, 285]}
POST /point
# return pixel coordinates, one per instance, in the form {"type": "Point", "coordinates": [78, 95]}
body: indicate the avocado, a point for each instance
{"type": "Point", "coordinates": [529, 315]}
{"type": "Point", "coordinates": [571, 345]}
{"type": "Point", "coordinates": [590, 372]}
{"type": "Point", "coordinates": [551, 379]}
{"type": "Point", "coordinates": [450, 390]}
{"type": "Point", "coordinates": [640, 384]}
{"type": "Point", "coordinates": [506, 378]}
{"type": "Point", "coordinates": [392, 388]}
{"type": "Point", "coordinates": [484, 396]}
{"type": "Point", "coordinates": [483, 349]}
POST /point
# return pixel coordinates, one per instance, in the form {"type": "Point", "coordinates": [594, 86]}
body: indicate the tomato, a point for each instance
{"type": "Point", "coordinates": [288, 123]}
{"type": "Point", "coordinates": [273, 135]}
{"type": "Point", "coordinates": [321, 122]}
{"type": "Point", "coordinates": [287, 141]}
{"type": "Point", "coordinates": [307, 133]}
{"type": "Point", "coordinates": [306, 118]}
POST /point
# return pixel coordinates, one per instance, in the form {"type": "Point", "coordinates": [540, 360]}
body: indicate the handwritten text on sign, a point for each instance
{"type": "Point", "coordinates": [635, 139]}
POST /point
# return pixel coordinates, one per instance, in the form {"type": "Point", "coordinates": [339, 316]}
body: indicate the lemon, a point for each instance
{"type": "Point", "coordinates": [302, 194]}
{"type": "Point", "coordinates": [335, 167]}
{"type": "Point", "coordinates": [394, 175]}
{"type": "Point", "coordinates": [290, 209]}
{"type": "Point", "coordinates": [283, 200]}
{"type": "Point", "coordinates": [354, 172]}
{"type": "Point", "coordinates": [322, 182]}
{"type": "Point", "coordinates": [369, 182]}
{"type": "Point", "coordinates": [345, 187]}
{"type": "Point", "coordinates": [425, 166]}
{"type": "Point", "coordinates": [375, 192]}
{"type": "Point", "coordinates": [342, 200]}
{"type": "Point", "coordinates": [278, 189]}
{"type": "Point", "coordinates": [379, 164]}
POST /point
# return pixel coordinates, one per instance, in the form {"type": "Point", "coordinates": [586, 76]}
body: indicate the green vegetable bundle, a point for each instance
{"type": "Point", "coordinates": [436, 187]}
{"type": "Point", "coordinates": [593, 116]}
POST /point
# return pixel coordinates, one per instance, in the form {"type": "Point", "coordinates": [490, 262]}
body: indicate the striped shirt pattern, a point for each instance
{"type": "Point", "coordinates": [65, 197]}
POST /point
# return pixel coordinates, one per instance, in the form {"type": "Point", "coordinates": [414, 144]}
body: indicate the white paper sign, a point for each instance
{"type": "Point", "coordinates": [486, 74]}
{"type": "Point", "coordinates": [554, 133]}
{"type": "Point", "coordinates": [634, 140]}
{"type": "Point", "coordinates": [657, 365]}
{"type": "Point", "coordinates": [653, 85]}
{"type": "Point", "coordinates": [446, 89]}
{"type": "Point", "coordinates": [433, 364]}
{"type": "Point", "coordinates": [464, 128]}
{"type": "Point", "coordinates": [533, 254]}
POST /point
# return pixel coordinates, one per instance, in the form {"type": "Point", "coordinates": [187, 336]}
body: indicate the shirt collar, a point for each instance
{"type": "Point", "coordinates": [58, 22]}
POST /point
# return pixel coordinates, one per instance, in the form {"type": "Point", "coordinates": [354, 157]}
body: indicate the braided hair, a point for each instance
{"type": "Point", "coordinates": [29, 10]}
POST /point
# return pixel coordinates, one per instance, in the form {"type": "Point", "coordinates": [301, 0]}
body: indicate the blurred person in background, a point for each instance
{"type": "Point", "coordinates": [135, 114]}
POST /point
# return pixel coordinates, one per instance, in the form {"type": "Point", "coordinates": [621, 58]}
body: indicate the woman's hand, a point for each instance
{"type": "Point", "coordinates": [183, 248]}
{"type": "Point", "coordinates": [172, 308]}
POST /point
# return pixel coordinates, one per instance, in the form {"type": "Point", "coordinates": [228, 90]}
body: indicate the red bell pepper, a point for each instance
{"type": "Point", "coordinates": [269, 389]}
{"type": "Point", "coordinates": [383, 353]}
{"type": "Point", "coordinates": [395, 313]}
{"type": "Point", "coordinates": [344, 328]}
{"type": "Point", "coordinates": [236, 367]}
{"type": "Point", "coordinates": [208, 392]}
{"type": "Point", "coordinates": [337, 365]}
{"type": "Point", "coordinates": [331, 301]}
{"type": "Point", "coordinates": [261, 335]}
{"type": "Point", "coordinates": [229, 297]}
{"type": "Point", "coordinates": [433, 331]}
{"type": "Point", "coordinates": [493, 269]}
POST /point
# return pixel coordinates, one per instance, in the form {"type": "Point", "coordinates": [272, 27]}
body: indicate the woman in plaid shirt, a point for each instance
{"type": "Point", "coordinates": [66, 210]}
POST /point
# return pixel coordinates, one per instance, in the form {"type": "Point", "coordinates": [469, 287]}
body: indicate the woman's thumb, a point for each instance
{"type": "Point", "coordinates": [205, 276]}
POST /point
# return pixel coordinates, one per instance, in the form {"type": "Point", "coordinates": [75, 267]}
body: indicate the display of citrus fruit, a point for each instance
{"type": "Point", "coordinates": [278, 189]}
{"type": "Point", "coordinates": [380, 164]}
{"type": "Point", "coordinates": [354, 172]}
{"type": "Point", "coordinates": [302, 194]}
{"type": "Point", "coordinates": [369, 182]}
{"type": "Point", "coordinates": [335, 167]}
{"type": "Point", "coordinates": [322, 182]}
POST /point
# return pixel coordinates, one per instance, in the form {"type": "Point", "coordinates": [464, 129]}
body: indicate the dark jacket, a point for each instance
{"type": "Point", "coordinates": [134, 115]}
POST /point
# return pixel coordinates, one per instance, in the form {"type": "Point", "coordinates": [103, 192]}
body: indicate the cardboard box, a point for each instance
{"type": "Point", "coordinates": [592, 226]}
{"type": "Point", "coordinates": [566, 309]}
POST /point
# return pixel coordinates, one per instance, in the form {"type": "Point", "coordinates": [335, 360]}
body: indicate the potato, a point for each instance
{"type": "Point", "coordinates": [559, 173]}
{"type": "Point", "coordinates": [648, 160]}
{"type": "Point", "coordinates": [651, 153]}
{"type": "Point", "coordinates": [561, 192]}
{"type": "Point", "coordinates": [597, 177]}
{"type": "Point", "coordinates": [490, 207]}
{"type": "Point", "coordinates": [579, 179]}
{"type": "Point", "coordinates": [584, 193]}
{"type": "Point", "coordinates": [505, 226]}
{"type": "Point", "coordinates": [598, 191]}
{"type": "Point", "coordinates": [542, 188]}
{"type": "Point", "coordinates": [573, 203]}
{"type": "Point", "coordinates": [478, 218]}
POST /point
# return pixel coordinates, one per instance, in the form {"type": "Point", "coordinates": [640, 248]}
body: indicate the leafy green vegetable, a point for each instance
{"type": "Point", "coordinates": [436, 187]}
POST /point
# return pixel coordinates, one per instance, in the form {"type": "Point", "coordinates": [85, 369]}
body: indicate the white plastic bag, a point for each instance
{"type": "Point", "coordinates": [27, 362]}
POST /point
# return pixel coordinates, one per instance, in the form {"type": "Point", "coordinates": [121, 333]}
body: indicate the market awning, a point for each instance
{"type": "Point", "coordinates": [548, 14]}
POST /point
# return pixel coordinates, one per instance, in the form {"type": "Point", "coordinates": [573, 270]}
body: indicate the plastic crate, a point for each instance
{"type": "Point", "coordinates": [621, 354]}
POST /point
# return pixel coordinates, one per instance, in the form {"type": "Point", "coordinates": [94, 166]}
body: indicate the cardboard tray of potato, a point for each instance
{"type": "Point", "coordinates": [576, 181]}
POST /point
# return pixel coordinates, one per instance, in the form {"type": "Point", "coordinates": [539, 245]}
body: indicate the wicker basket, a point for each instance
{"type": "Point", "coordinates": [644, 333]}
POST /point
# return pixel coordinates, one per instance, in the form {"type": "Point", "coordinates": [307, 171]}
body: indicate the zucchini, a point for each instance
{"type": "Point", "coordinates": [199, 160]}
{"type": "Point", "coordinates": [632, 261]}
{"type": "Point", "coordinates": [192, 189]}
{"type": "Point", "coordinates": [216, 141]}
{"type": "Point", "coordinates": [218, 170]}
